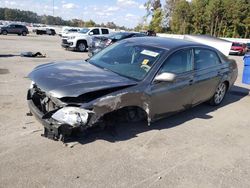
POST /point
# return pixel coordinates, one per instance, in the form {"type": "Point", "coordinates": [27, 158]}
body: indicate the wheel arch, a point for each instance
{"type": "Point", "coordinates": [82, 40]}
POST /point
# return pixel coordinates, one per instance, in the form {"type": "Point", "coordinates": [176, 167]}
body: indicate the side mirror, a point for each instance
{"type": "Point", "coordinates": [91, 33]}
{"type": "Point", "coordinates": [165, 77]}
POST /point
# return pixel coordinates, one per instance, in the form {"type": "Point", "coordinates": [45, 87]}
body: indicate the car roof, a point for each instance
{"type": "Point", "coordinates": [166, 43]}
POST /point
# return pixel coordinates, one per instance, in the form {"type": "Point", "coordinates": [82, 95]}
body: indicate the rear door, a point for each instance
{"type": "Point", "coordinates": [166, 97]}
{"type": "Point", "coordinates": [208, 73]}
{"type": "Point", "coordinates": [19, 29]}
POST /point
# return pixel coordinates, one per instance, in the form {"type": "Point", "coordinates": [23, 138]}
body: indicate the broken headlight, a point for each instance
{"type": "Point", "coordinates": [73, 116]}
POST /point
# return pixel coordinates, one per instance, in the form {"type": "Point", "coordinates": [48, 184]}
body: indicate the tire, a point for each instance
{"type": "Point", "coordinates": [24, 33]}
{"type": "Point", "coordinates": [81, 46]}
{"type": "Point", "coordinates": [219, 95]}
{"type": "Point", "coordinates": [4, 32]}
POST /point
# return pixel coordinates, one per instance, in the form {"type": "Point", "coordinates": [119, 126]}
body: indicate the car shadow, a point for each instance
{"type": "Point", "coordinates": [126, 131]}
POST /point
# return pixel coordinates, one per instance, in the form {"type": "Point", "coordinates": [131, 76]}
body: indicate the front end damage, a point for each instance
{"type": "Point", "coordinates": [60, 119]}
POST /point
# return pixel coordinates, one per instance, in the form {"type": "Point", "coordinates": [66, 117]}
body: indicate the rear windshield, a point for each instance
{"type": "Point", "coordinates": [237, 44]}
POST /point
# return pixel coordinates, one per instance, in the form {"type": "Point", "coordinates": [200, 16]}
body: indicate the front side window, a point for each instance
{"type": "Point", "coordinates": [95, 32]}
{"type": "Point", "coordinates": [127, 59]}
{"type": "Point", "coordinates": [179, 62]}
{"type": "Point", "coordinates": [204, 58]}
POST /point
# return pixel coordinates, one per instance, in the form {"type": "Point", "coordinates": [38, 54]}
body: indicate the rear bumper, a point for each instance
{"type": "Point", "coordinates": [234, 52]}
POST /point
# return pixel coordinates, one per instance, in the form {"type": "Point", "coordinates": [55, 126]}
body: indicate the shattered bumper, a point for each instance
{"type": "Point", "coordinates": [54, 127]}
{"type": "Point", "coordinates": [51, 130]}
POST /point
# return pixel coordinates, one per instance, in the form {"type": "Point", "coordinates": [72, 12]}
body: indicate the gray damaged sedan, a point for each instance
{"type": "Point", "coordinates": [138, 78]}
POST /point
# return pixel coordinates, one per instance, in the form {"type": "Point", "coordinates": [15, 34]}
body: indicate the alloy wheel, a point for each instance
{"type": "Point", "coordinates": [220, 93]}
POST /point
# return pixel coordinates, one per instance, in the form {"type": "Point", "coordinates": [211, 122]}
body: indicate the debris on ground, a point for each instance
{"type": "Point", "coordinates": [33, 54]}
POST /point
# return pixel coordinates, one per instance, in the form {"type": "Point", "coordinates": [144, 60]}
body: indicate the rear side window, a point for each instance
{"type": "Point", "coordinates": [96, 32]}
{"type": "Point", "coordinates": [105, 31]}
{"type": "Point", "coordinates": [204, 58]}
{"type": "Point", "coordinates": [179, 62]}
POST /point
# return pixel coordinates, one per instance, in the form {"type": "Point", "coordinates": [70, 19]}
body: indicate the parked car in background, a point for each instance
{"type": "Point", "coordinates": [81, 40]}
{"type": "Point", "coordinates": [238, 49]}
{"type": "Point", "coordinates": [137, 78]}
{"type": "Point", "coordinates": [149, 32]}
{"type": "Point", "coordinates": [46, 31]}
{"type": "Point", "coordinates": [101, 42]}
{"type": "Point", "coordinates": [14, 29]}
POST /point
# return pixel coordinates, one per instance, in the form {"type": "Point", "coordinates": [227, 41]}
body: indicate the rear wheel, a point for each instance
{"type": "Point", "coordinates": [219, 94]}
{"type": "Point", "coordinates": [4, 32]}
{"type": "Point", "coordinates": [81, 46]}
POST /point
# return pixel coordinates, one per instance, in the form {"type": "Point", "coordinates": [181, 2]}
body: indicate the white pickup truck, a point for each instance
{"type": "Point", "coordinates": [81, 40]}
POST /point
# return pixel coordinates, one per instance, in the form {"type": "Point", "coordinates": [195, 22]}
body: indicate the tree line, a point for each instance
{"type": "Point", "coordinates": [31, 17]}
{"type": "Point", "coordinates": [219, 18]}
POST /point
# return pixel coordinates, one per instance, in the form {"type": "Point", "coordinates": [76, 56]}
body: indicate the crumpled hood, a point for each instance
{"type": "Point", "coordinates": [74, 78]}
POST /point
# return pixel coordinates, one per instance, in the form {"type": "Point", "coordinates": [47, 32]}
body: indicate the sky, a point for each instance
{"type": "Point", "coordinates": [122, 12]}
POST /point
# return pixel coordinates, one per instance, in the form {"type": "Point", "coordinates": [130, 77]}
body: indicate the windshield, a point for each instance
{"type": "Point", "coordinates": [84, 30]}
{"type": "Point", "coordinates": [127, 59]}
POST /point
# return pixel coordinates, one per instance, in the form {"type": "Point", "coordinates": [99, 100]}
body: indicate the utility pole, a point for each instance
{"type": "Point", "coordinates": [53, 8]}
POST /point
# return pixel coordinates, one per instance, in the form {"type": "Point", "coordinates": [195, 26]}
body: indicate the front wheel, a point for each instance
{"type": "Point", "coordinates": [81, 46]}
{"type": "Point", "coordinates": [219, 94]}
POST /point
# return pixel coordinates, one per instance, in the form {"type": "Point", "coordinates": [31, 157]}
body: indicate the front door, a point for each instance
{"type": "Point", "coordinates": [168, 98]}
